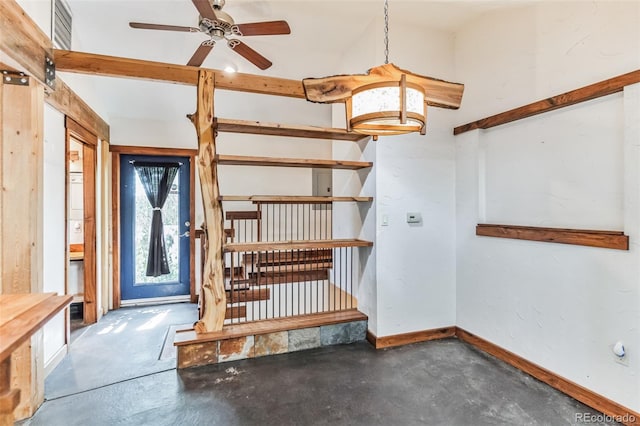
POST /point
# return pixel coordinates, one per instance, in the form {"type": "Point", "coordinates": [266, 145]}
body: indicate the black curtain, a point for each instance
{"type": "Point", "coordinates": [157, 179]}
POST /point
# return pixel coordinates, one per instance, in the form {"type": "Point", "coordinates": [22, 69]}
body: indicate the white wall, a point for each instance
{"type": "Point", "coordinates": [414, 173]}
{"type": "Point", "coordinates": [559, 306]}
{"type": "Point", "coordinates": [54, 226]}
{"type": "Point", "coordinates": [358, 220]}
{"type": "Point", "coordinates": [413, 277]}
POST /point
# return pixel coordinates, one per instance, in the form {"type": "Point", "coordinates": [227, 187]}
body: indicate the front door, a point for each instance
{"type": "Point", "coordinates": [154, 218]}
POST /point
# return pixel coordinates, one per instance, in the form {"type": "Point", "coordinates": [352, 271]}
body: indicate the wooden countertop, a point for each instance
{"type": "Point", "coordinates": [76, 255]}
{"type": "Point", "coordinates": [21, 315]}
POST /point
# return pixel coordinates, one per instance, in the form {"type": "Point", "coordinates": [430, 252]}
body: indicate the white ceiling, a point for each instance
{"type": "Point", "coordinates": [320, 32]}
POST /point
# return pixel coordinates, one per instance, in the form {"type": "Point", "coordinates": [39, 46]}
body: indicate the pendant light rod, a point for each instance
{"type": "Point", "coordinates": [386, 31]}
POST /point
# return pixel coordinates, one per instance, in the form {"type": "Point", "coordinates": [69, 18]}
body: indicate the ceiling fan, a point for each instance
{"type": "Point", "coordinates": [221, 26]}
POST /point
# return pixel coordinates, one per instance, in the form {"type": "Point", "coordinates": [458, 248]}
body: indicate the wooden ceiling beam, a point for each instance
{"type": "Point", "coordinates": [23, 45]}
{"type": "Point", "coordinates": [70, 104]}
{"type": "Point", "coordinates": [113, 66]}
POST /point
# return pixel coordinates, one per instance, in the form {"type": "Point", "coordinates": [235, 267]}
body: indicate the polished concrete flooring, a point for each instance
{"type": "Point", "coordinates": [116, 378]}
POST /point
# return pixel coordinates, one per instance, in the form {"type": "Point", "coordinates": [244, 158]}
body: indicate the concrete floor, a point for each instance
{"type": "Point", "coordinates": [444, 382]}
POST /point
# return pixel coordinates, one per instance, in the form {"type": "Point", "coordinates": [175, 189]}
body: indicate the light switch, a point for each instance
{"type": "Point", "coordinates": [385, 220]}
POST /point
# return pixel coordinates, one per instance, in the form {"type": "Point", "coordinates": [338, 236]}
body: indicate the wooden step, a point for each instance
{"type": "Point", "coordinates": [252, 295]}
{"type": "Point", "coordinates": [266, 278]}
{"type": "Point", "coordinates": [235, 312]}
{"type": "Point", "coordinates": [293, 199]}
{"type": "Point", "coordinates": [243, 215]}
{"type": "Point", "coordinates": [238, 272]}
{"type": "Point", "coordinates": [279, 258]}
{"type": "Point", "coordinates": [274, 129]}
{"type": "Point", "coordinates": [239, 160]}
{"type": "Point", "coordinates": [238, 285]}
{"type": "Point", "coordinates": [188, 337]}
{"type": "Point", "coordinates": [293, 267]}
{"type": "Point", "coordinates": [294, 245]}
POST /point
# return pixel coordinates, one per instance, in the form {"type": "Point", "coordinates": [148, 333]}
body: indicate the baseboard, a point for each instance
{"type": "Point", "coordinates": [408, 338]}
{"type": "Point", "coordinates": [574, 390]}
{"type": "Point", "coordinates": [55, 360]}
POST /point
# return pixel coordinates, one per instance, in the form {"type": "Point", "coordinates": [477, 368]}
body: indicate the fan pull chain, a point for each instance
{"type": "Point", "coordinates": [386, 31]}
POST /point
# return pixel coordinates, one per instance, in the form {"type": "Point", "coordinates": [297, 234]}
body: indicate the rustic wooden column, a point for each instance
{"type": "Point", "coordinates": [21, 212]}
{"type": "Point", "coordinates": [212, 295]}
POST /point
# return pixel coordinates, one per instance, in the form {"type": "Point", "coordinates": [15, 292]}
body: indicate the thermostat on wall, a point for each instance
{"type": "Point", "coordinates": [414, 218]}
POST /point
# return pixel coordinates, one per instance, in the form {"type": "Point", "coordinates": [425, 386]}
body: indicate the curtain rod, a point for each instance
{"type": "Point", "coordinates": [134, 161]}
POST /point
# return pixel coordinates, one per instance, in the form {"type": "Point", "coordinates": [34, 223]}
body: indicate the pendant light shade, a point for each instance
{"type": "Point", "coordinates": [387, 100]}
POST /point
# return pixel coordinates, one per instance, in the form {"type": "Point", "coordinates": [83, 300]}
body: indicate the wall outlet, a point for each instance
{"type": "Point", "coordinates": [620, 360]}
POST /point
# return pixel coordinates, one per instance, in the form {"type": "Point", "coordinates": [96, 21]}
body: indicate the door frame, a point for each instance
{"type": "Point", "coordinates": [116, 151]}
{"type": "Point", "coordinates": [89, 143]}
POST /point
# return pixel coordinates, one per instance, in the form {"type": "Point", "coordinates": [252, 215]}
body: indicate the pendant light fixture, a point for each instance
{"type": "Point", "coordinates": [387, 100]}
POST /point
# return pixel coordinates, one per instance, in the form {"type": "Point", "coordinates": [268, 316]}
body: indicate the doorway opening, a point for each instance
{"type": "Point", "coordinates": [155, 229]}
{"type": "Point", "coordinates": [81, 223]}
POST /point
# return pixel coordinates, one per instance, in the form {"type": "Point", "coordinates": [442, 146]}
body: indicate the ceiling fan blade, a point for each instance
{"type": "Point", "coordinates": [205, 9]}
{"type": "Point", "coordinates": [201, 53]}
{"type": "Point", "coordinates": [264, 28]}
{"type": "Point", "coordinates": [143, 26]}
{"type": "Point", "coordinates": [249, 54]}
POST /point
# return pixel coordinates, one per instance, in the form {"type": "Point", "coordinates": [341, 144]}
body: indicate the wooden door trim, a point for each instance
{"type": "Point", "coordinates": [89, 141]}
{"type": "Point", "coordinates": [115, 230]}
{"type": "Point", "coordinates": [151, 150]}
{"type": "Point", "coordinates": [79, 132]}
{"type": "Point", "coordinates": [116, 151]}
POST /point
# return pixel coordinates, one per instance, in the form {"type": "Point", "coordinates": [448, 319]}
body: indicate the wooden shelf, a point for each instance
{"type": "Point", "coordinates": [593, 91]}
{"type": "Point", "coordinates": [21, 315]}
{"type": "Point", "coordinates": [294, 245]}
{"type": "Point", "coordinates": [274, 129]}
{"type": "Point", "coordinates": [582, 237]}
{"type": "Point", "coordinates": [240, 160]}
{"type": "Point", "coordinates": [293, 199]}
{"type": "Point", "coordinates": [187, 337]}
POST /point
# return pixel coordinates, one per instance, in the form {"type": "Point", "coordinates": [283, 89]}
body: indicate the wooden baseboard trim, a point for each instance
{"type": "Point", "coordinates": [408, 338]}
{"type": "Point", "coordinates": [574, 390]}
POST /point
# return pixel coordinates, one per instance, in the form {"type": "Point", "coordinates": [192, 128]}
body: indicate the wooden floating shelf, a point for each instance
{"type": "Point", "coordinates": [293, 199]}
{"type": "Point", "coordinates": [186, 337]}
{"type": "Point", "coordinates": [240, 160]}
{"type": "Point", "coordinates": [604, 239]}
{"type": "Point", "coordinates": [274, 129]}
{"type": "Point", "coordinates": [294, 245]}
{"type": "Point", "coordinates": [593, 91]}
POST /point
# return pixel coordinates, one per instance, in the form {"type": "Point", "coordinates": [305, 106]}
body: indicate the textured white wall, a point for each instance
{"type": "Point", "coordinates": [559, 306]}
{"type": "Point", "coordinates": [414, 173]}
{"type": "Point", "coordinates": [53, 225]}
{"type": "Point", "coordinates": [410, 273]}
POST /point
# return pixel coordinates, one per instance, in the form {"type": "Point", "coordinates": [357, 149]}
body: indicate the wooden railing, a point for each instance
{"type": "Point", "coordinates": [280, 260]}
